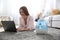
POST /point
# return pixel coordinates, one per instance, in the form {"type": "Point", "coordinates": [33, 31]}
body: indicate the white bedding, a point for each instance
{"type": "Point", "coordinates": [53, 21]}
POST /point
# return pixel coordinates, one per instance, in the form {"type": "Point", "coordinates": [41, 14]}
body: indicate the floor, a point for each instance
{"type": "Point", "coordinates": [52, 34]}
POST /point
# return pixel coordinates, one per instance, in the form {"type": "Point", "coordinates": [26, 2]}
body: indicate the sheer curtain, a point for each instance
{"type": "Point", "coordinates": [11, 7]}
{"type": "Point", "coordinates": [34, 6]}
{"type": "Point", "coordinates": [50, 4]}
{"type": "Point", "coordinates": [1, 6]}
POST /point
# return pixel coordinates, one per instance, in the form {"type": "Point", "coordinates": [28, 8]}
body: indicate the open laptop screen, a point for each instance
{"type": "Point", "coordinates": [9, 26]}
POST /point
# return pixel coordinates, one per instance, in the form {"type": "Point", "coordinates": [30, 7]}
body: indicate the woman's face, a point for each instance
{"type": "Point", "coordinates": [22, 12]}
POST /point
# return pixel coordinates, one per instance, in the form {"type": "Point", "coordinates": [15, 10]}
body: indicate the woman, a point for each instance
{"type": "Point", "coordinates": [25, 21]}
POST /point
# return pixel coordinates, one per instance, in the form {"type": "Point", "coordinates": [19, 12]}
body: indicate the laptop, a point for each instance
{"type": "Point", "coordinates": [9, 26]}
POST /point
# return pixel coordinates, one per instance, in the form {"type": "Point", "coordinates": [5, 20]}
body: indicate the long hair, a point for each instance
{"type": "Point", "coordinates": [25, 10]}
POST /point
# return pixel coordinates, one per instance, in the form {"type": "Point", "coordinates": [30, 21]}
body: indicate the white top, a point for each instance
{"type": "Point", "coordinates": [30, 22]}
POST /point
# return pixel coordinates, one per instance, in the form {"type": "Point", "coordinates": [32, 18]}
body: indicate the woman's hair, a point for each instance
{"type": "Point", "coordinates": [25, 10]}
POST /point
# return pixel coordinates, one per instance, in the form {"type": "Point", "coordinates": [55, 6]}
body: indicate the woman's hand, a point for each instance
{"type": "Point", "coordinates": [19, 29]}
{"type": "Point", "coordinates": [26, 28]}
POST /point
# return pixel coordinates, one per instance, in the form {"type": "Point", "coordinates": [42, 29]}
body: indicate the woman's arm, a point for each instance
{"type": "Point", "coordinates": [20, 25]}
